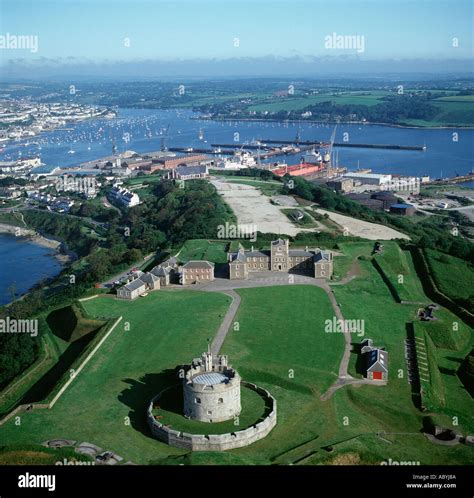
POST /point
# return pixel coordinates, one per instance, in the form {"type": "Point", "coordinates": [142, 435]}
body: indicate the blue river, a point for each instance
{"type": "Point", "coordinates": [448, 151]}
{"type": "Point", "coordinates": [23, 265]}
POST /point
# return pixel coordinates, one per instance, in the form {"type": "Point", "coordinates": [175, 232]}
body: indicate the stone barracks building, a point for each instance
{"type": "Point", "coordinates": [317, 262]}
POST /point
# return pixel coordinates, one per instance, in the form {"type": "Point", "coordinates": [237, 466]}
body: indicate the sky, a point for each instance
{"type": "Point", "coordinates": [111, 31]}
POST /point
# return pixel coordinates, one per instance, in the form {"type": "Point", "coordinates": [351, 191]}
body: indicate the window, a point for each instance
{"type": "Point", "coordinates": [209, 412]}
{"type": "Point", "coordinates": [198, 401]}
{"type": "Point", "coordinates": [220, 400]}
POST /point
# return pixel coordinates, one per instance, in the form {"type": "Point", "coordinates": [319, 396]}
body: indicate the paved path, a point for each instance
{"type": "Point", "coordinates": [110, 282]}
{"type": "Point", "coordinates": [226, 322]}
{"type": "Point", "coordinates": [266, 279]}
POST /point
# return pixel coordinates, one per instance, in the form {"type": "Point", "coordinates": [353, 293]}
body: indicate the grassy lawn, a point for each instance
{"type": "Point", "coordinates": [350, 253]}
{"type": "Point", "coordinates": [448, 331]}
{"type": "Point", "coordinates": [39, 455]}
{"type": "Point", "coordinates": [452, 111]}
{"type": "Point", "coordinates": [281, 345]}
{"type": "Point", "coordinates": [266, 187]}
{"type": "Point", "coordinates": [214, 251]}
{"type": "Point", "coordinates": [391, 407]}
{"type": "Point", "coordinates": [106, 403]}
{"type": "Point", "coordinates": [298, 103]}
{"type": "Point", "coordinates": [453, 276]}
{"type": "Point", "coordinates": [398, 267]}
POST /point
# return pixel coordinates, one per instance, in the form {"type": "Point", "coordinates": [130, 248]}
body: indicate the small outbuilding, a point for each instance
{"type": "Point", "coordinates": [403, 209]}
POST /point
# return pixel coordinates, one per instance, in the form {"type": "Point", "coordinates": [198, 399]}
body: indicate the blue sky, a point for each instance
{"type": "Point", "coordinates": [206, 29]}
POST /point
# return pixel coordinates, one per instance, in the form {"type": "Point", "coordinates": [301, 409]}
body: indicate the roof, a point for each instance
{"type": "Point", "coordinates": [159, 271]}
{"type": "Point", "coordinates": [377, 360]}
{"type": "Point", "coordinates": [149, 278]}
{"type": "Point", "coordinates": [198, 264]}
{"type": "Point", "coordinates": [300, 252]}
{"type": "Point", "coordinates": [259, 254]}
{"type": "Point", "coordinates": [401, 206]}
{"type": "Point", "coordinates": [322, 256]}
{"type": "Point", "coordinates": [191, 170]}
{"type": "Point", "coordinates": [136, 284]}
{"type": "Point", "coordinates": [384, 195]}
{"type": "Point", "coordinates": [210, 378]}
{"type": "Point", "coordinates": [354, 174]}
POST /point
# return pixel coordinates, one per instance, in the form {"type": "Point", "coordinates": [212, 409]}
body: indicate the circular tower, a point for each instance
{"type": "Point", "coordinates": [211, 390]}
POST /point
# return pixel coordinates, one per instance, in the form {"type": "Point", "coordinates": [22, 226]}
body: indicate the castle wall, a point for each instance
{"type": "Point", "coordinates": [215, 442]}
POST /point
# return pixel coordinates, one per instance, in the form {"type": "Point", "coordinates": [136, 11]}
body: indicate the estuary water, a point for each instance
{"type": "Point", "coordinates": [448, 151]}
{"type": "Point", "coordinates": [23, 265]}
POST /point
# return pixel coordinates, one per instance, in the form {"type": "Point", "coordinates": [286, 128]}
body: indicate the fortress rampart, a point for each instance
{"type": "Point", "coordinates": [215, 442]}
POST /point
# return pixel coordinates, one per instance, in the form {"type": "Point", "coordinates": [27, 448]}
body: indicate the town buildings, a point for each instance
{"type": "Point", "coordinates": [403, 209]}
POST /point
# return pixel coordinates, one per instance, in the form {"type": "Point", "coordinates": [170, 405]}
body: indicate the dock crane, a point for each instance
{"type": "Point", "coordinates": [328, 155]}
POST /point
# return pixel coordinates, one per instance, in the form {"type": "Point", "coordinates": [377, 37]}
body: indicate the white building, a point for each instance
{"type": "Point", "coordinates": [124, 197]}
{"type": "Point", "coordinates": [370, 178]}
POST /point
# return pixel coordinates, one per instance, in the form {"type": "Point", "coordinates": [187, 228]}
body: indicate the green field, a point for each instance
{"type": "Point", "coordinates": [130, 368]}
{"type": "Point", "coordinates": [266, 187]}
{"type": "Point", "coordinates": [214, 251]}
{"type": "Point", "coordinates": [350, 252]}
{"type": "Point", "coordinates": [397, 265]}
{"type": "Point", "coordinates": [453, 277]}
{"type": "Point", "coordinates": [298, 103]}
{"type": "Point", "coordinates": [386, 322]}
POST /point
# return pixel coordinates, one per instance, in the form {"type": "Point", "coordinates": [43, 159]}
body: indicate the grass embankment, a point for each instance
{"type": "Point", "coordinates": [40, 455]}
{"type": "Point", "coordinates": [65, 334]}
{"type": "Point", "coordinates": [213, 251]}
{"type": "Point", "coordinates": [398, 269]}
{"type": "Point", "coordinates": [106, 403]}
{"type": "Point", "coordinates": [348, 259]}
{"type": "Point", "coordinates": [454, 277]}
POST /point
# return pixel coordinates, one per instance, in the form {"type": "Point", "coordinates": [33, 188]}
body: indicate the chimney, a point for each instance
{"type": "Point", "coordinates": [252, 248]}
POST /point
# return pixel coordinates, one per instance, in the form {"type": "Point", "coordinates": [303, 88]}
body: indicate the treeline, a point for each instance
{"type": "Point", "coordinates": [393, 109]}
{"type": "Point", "coordinates": [64, 228]}
{"type": "Point", "coordinates": [169, 217]}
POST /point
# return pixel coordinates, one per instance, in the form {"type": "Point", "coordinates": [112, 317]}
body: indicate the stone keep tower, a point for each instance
{"type": "Point", "coordinates": [279, 253]}
{"type": "Point", "coordinates": [211, 390]}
